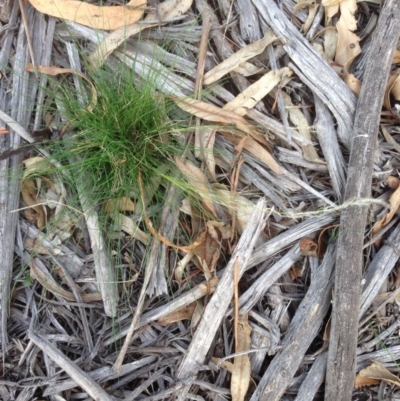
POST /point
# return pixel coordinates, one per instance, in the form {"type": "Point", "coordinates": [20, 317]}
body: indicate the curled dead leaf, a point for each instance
{"type": "Point", "coordinates": [308, 247]}
{"type": "Point", "coordinates": [392, 88]}
{"type": "Point", "coordinates": [47, 282]}
{"type": "Point", "coordinates": [394, 202]}
{"type": "Point", "coordinates": [184, 313]}
{"type": "Point", "coordinates": [246, 100]}
{"type": "Point", "coordinates": [29, 193]}
{"type": "Point", "coordinates": [234, 61]}
{"type": "Point", "coordinates": [241, 370]}
{"type": "Point", "coordinates": [378, 372]}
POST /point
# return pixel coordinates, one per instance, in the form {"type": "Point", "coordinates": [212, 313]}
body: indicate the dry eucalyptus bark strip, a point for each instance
{"type": "Point", "coordinates": [75, 372]}
{"type": "Point", "coordinates": [219, 303]}
{"type": "Point", "coordinates": [315, 377]}
{"type": "Point", "coordinates": [312, 69]}
{"type": "Point", "coordinates": [349, 257]}
{"type": "Point", "coordinates": [327, 138]}
{"type": "Point", "coordinates": [303, 328]}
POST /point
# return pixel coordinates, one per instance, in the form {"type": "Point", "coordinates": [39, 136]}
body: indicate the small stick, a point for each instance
{"type": "Point", "coordinates": [28, 35]}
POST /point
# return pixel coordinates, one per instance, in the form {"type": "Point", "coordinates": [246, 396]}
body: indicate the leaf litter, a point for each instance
{"type": "Point", "coordinates": [57, 340]}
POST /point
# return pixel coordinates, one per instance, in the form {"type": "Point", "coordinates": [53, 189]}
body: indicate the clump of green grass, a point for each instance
{"type": "Point", "coordinates": [127, 132]}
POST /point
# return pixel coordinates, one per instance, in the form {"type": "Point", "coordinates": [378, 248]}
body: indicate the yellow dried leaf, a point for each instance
{"type": "Point", "coordinates": [130, 227]}
{"type": "Point", "coordinates": [241, 370]}
{"type": "Point", "coordinates": [330, 42]}
{"type": "Point", "coordinates": [353, 83]}
{"type": "Point", "coordinates": [255, 149]}
{"type": "Point", "coordinates": [257, 91]}
{"type": "Point", "coordinates": [393, 78]}
{"type": "Point", "coordinates": [312, 10]}
{"type": "Point", "coordinates": [233, 203]}
{"type": "Point", "coordinates": [166, 10]}
{"type": "Point", "coordinates": [199, 181]}
{"type": "Point", "coordinates": [396, 57]}
{"type": "Point", "coordinates": [29, 193]}
{"type": "Point", "coordinates": [389, 139]}
{"type": "Point", "coordinates": [184, 313]}
{"type": "Point", "coordinates": [236, 59]}
{"type": "Point", "coordinates": [365, 381]}
{"type": "Point", "coordinates": [123, 204]}
{"type": "Point", "coordinates": [330, 3]}
{"type": "Point", "coordinates": [394, 202]}
{"type": "Point", "coordinates": [47, 281]}
{"type": "Point", "coordinates": [348, 43]}
{"type": "Point", "coordinates": [378, 372]}
{"type": "Point", "coordinates": [98, 17]}
{"type": "Point", "coordinates": [247, 69]}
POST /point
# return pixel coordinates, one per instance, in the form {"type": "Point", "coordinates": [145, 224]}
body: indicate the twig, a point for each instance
{"type": "Point", "coordinates": [349, 258]}
{"type": "Point", "coordinates": [28, 35]}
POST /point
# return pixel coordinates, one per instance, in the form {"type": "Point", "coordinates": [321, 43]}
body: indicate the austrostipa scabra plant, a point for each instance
{"type": "Point", "coordinates": [114, 127]}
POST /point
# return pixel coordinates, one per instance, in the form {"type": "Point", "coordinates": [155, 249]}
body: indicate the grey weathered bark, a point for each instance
{"type": "Point", "coordinates": [349, 258]}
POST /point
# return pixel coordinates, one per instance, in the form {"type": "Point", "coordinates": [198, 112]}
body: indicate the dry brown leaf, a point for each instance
{"type": "Point", "coordinates": [209, 112]}
{"type": "Point", "coordinates": [166, 10]}
{"type": "Point", "coordinates": [126, 224]}
{"type": "Point", "coordinates": [389, 139]}
{"type": "Point", "coordinates": [396, 57]}
{"type": "Point", "coordinates": [247, 69]}
{"type": "Point", "coordinates": [330, 3]}
{"type": "Point", "coordinates": [235, 60]}
{"type": "Point", "coordinates": [209, 249]}
{"type": "Point", "coordinates": [53, 71]}
{"type": "Point", "coordinates": [296, 116]}
{"type": "Point", "coordinates": [29, 193]}
{"type": "Point", "coordinates": [365, 381]}
{"type": "Point", "coordinates": [257, 91]}
{"type": "Point", "coordinates": [207, 140]}
{"type": "Point", "coordinates": [393, 182]}
{"type": "Point", "coordinates": [197, 315]}
{"type": "Point", "coordinates": [330, 42]}
{"type": "Point", "coordinates": [394, 202]}
{"type": "Point", "coordinates": [353, 83]}
{"type": "Point", "coordinates": [241, 370]}
{"type": "Point", "coordinates": [234, 203]}
{"type": "Point", "coordinates": [199, 181]}
{"type": "Point", "coordinates": [184, 313]}
{"type": "Point", "coordinates": [123, 204]}
{"type": "Point", "coordinates": [348, 43]}
{"type": "Point", "coordinates": [395, 90]}
{"type": "Point", "coordinates": [308, 247]}
{"type": "Point", "coordinates": [312, 10]}
{"type": "Point", "coordinates": [224, 364]}
{"type": "Point", "coordinates": [330, 12]}
{"type": "Point", "coordinates": [298, 119]}
{"type": "Point", "coordinates": [255, 149]}
{"type": "Point", "coordinates": [210, 287]}
{"type": "Point", "coordinates": [97, 17]}
{"type": "Point", "coordinates": [378, 372]}
{"type": "Point", "coordinates": [153, 232]}
{"type": "Point", "coordinates": [47, 281]}
{"type": "Point", "coordinates": [393, 78]}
